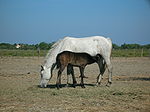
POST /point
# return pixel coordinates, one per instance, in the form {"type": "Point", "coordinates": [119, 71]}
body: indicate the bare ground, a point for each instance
{"type": "Point", "coordinates": [19, 91]}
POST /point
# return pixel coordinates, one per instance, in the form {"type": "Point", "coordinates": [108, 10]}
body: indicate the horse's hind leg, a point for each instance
{"type": "Point", "coordinates": [58, 82]}
{"type": "Point", "coordinates": [58, 79]}
{"type": "Point", "coordinates": [109, 66]}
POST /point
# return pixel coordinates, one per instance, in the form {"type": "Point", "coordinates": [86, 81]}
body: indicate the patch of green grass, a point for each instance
{"type": "Point", "coordinates": [115, 53]}
{"type": "Point", "coordinates": [130, 53]}
{"type": "Point", "coordinates": [22, 53]}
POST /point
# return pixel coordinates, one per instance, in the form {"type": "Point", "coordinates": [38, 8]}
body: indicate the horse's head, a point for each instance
{"type": "Point", "coordinates": [45, 76]}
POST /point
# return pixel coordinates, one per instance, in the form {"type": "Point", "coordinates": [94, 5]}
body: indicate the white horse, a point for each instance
{"type": "Point", "coordinates": [92, 45]}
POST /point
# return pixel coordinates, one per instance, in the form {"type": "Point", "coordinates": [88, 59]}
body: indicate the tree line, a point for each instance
{"type": "Point", "coordinates": [47, 46]}
{"type": "Point", "coordinates": [131, 46]}
{"type": "Point", "coordinates": [41, 46]}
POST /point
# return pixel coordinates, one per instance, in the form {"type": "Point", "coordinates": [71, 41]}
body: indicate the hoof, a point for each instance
{"type": "Point", "coordinates": [98, 84]}
{"type": "Point", "coordinates": [75, 83]}
{"type": "Point", "coordinates": [67, 85]}
{"type": "Point", "coordinates": [83, 76]}
{"type": "Point", "coordinates": [82, 86]}
{"type": "Point", "coordinates": [108, 84]}
{"type": "Point", "coordinates": [57, 86]}
{"type": "Point", "coordinates": [74, 86]}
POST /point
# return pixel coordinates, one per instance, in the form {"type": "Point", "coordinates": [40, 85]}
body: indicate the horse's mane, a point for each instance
{"type": "Point", "coordinates": [51, 50]}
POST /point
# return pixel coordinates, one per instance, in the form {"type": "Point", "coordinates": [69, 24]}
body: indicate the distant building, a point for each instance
{"type": "Point", "coordinates": [18, 46]}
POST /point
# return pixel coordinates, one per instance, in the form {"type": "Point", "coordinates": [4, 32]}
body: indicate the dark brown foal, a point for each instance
{"type": "Point", "coordinates": [74, 59]}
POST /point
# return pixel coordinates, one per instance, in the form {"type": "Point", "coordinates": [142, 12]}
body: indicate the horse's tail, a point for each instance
{"type": "Point", "coordinates": [58, 62]}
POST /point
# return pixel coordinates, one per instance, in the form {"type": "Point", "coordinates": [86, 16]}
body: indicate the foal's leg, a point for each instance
{"type": "Point", "coordinates": [82, 74]}
{"type": "Point", "coordinates": [58, 82]}
{"type": "Point", "coordinates": [71, 71]}
{"type": "Point", "coordinates": [102, 68]}
{"type": "Point", "coordinates": [68, 74]}
{"type": "Point", "coordinates": [73, 77]}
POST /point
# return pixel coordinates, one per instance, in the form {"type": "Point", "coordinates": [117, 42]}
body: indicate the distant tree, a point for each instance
{"type": "Point", "coordinates": [130, 46]}
{"type": "Point", "coordinates": [124, 46]}
{"type": "Point", "coordinates": [36, 46]}
{"type": "Point", "coordinates": [6, 46]}
{"type": "Point", "coordinates": [146, 46]}
{"type": "Point", "coordinates": [50, 44]}
{"type": "Point", "coordinates": [134, 46]}
{"type": "Point", "coordinates": [115, 46]}
{"type": "Point", "coordinates": [47, 46]}
{"type": "Point", "coordinates": [43, 46]}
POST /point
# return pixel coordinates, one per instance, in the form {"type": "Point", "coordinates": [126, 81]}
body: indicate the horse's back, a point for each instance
{"type": "Point", "coordinates": [91, 45]}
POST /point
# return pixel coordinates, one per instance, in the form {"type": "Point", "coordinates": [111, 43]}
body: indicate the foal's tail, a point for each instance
{"type": "Point", "coordinates": [58, 64]}
{"type": "Point", "coordinates": [52, 68]}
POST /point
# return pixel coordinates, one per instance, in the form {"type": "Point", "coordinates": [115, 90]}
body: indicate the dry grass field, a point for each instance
{"type": "Point", "coordinates": [129, 92]}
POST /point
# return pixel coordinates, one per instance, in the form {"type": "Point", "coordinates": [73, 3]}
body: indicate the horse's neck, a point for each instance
{"type": "Point", "coordinates": [51, 59]}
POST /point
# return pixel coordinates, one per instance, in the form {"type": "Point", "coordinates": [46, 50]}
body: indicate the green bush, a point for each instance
{"type": "Point", "coordinates": [22, 53]}
{"type": "Point", "coordinates": [115, 53]}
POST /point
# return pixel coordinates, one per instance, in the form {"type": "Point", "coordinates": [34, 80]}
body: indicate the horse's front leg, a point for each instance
{"type": "Point", "coordinates": [99, 77]}
{"type": "Point", "coordinates": [70, 70]}
{"type": "Point", "coordinates": [73, 77]}
{"type": "Point", "coordinates": [82, 74]}
{"type": "Point", "coordinates": [68, 74]}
